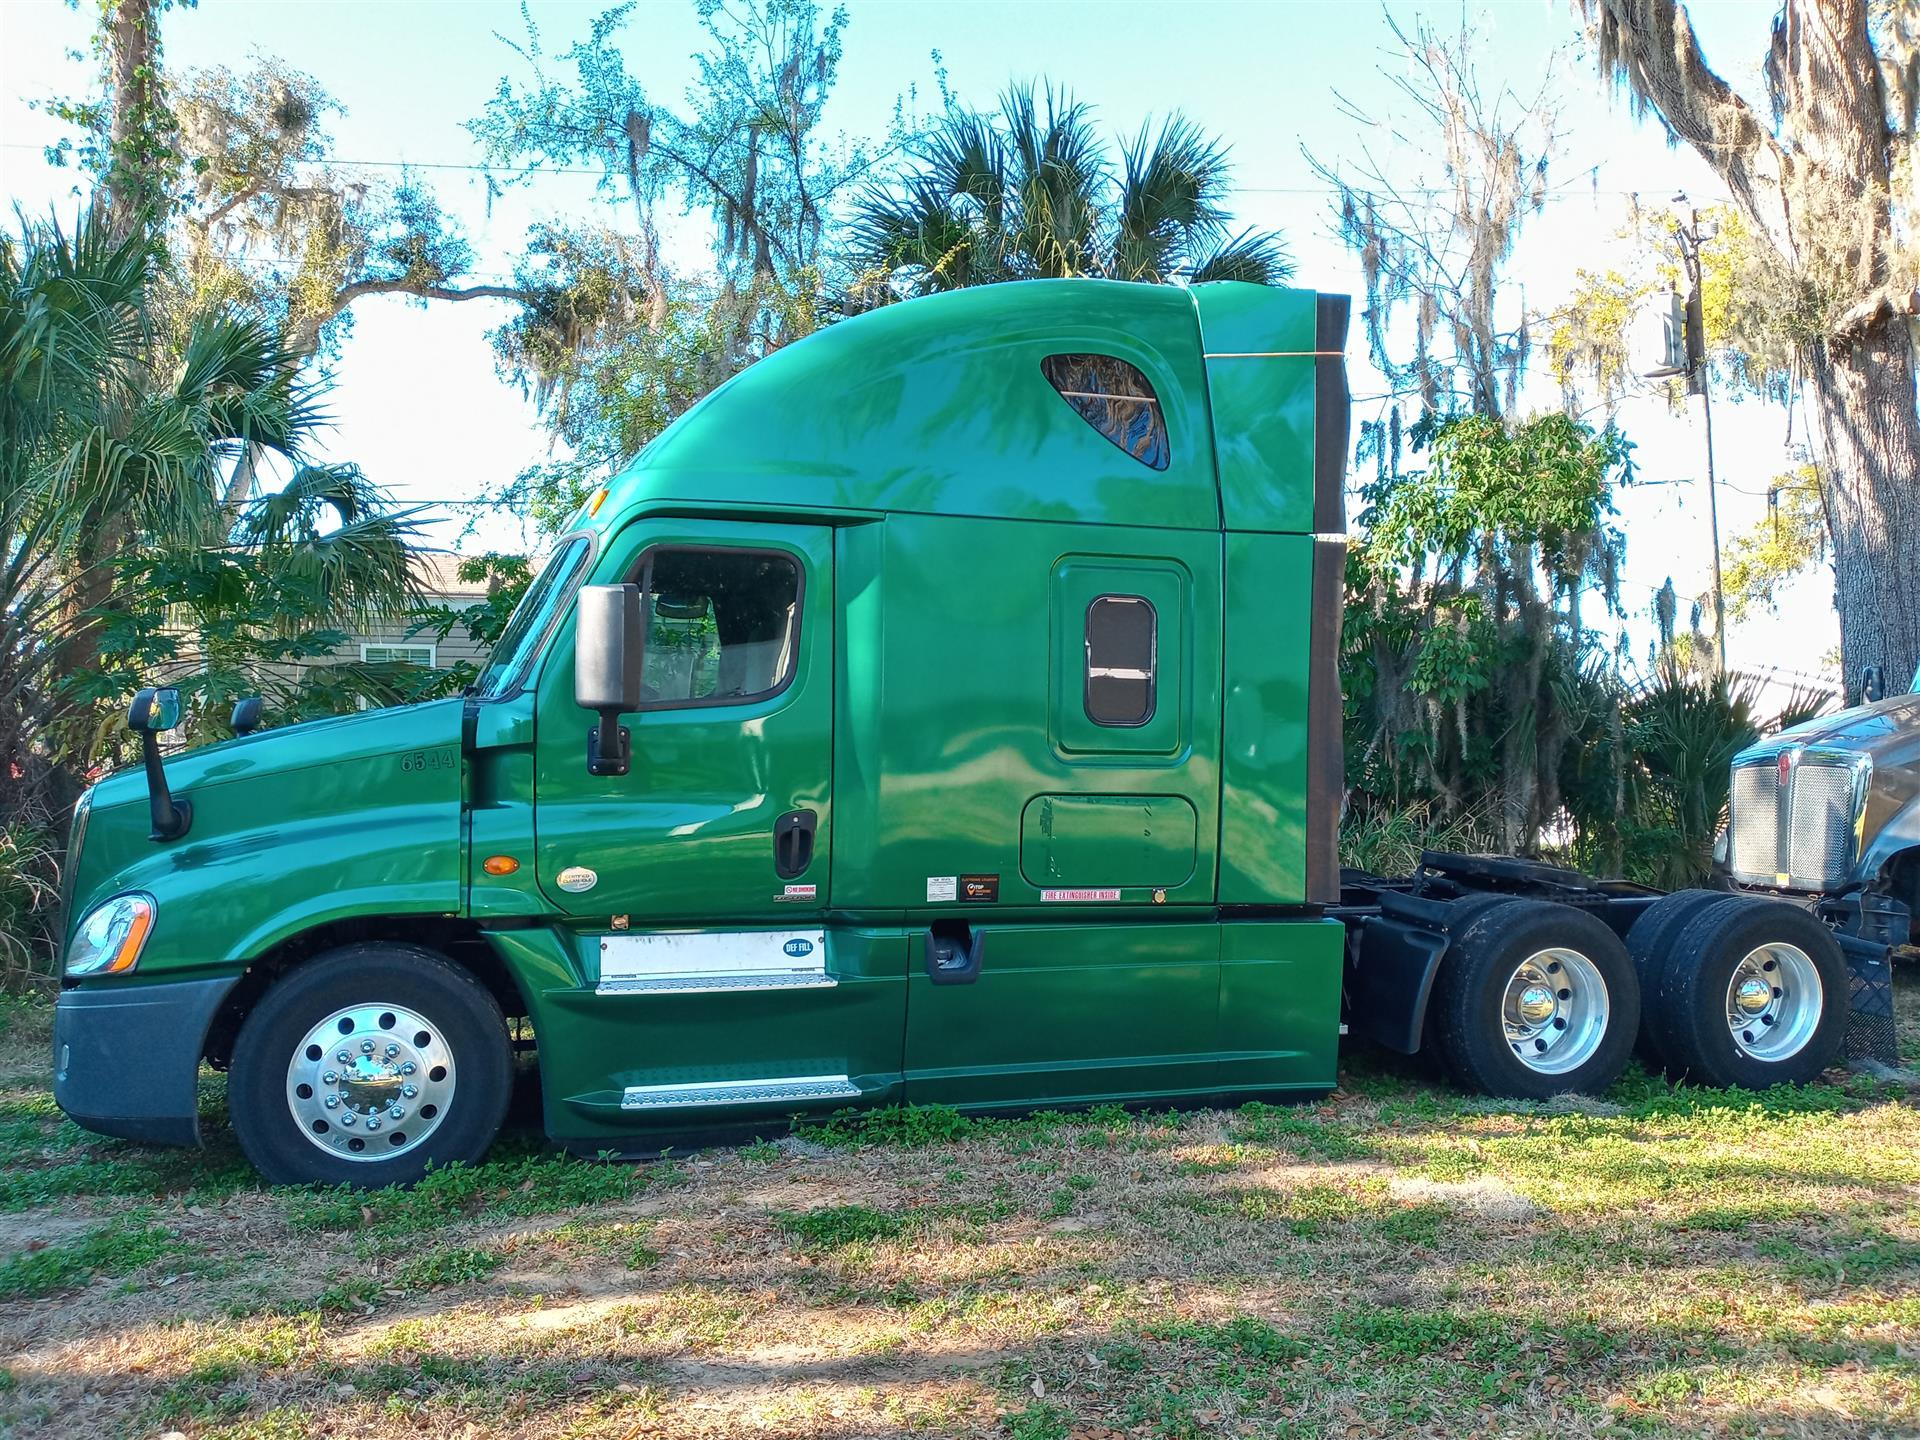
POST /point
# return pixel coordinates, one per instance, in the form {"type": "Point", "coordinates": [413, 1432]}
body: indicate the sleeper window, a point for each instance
{"type": "Point", "coordinates": [1122, 654]}
{"type": "Point", "coordinates": [1115, 399]}
{"type": "Point", "coordinates": [722, 625]}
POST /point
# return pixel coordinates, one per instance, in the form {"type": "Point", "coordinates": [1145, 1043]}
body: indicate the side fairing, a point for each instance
{"type": "Point", "coordinates": [291, 829]}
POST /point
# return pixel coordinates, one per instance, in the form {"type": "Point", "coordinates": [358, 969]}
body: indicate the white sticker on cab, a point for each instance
{"type": "Point", "coordinates": [942, 888]}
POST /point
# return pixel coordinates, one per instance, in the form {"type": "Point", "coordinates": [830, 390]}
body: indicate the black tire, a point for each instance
{"type": "Point", "coordinates": [1467, 1002]}
{"type": "Point", "coordinates": [1694, 996]}
{"type": "Point", "coordinates": [470, 1027]}
{"type": "Point", "coordinates": [1649, 942]}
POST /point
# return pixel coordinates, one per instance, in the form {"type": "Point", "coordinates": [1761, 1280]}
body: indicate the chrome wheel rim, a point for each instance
{"type": "Point", "coordinates": [1555, 1011]}
{"type": "Point", "coordinates": [370, 1082]}
{"type": "Point", "coordinates": [1774, 1002]}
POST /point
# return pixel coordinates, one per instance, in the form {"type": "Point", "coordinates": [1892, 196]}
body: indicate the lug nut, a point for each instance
{"type": "Point", "coordinates": [332, 1077]}
{"type": "Point", "coordinates": [408, 1068]}
{"type": "Point", "coordinates": [366, 1047]}
{"type": "Point", "coordinates": [392, 1050]}
{"type": "Point", "coordinates": [344, 1058]}
{"type": "Point", "coordinates": [373, 1122]}
{"type": "Point", "coordinates": [409, 1091]}
{"type": "Point", "coordinates": [332, 1102]}
{"type": "Point", "coordinates": [397, 1112]}
{"type": "Point", "coordinates": [348, 1118]}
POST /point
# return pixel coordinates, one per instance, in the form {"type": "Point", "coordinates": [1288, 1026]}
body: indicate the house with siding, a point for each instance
{"type": "Point", "coordinates": [401, 639]}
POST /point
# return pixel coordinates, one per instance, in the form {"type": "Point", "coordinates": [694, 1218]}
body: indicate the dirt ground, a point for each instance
{"type": "Point", "coordinates": [1398, 1260]}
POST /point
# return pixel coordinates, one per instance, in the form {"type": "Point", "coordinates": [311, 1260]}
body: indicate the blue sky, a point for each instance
{"type": "Point", "coordinates": [418, 403]}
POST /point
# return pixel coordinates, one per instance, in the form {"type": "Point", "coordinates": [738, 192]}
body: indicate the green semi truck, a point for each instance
{"type": "Point", "coordinates": [944, 710]}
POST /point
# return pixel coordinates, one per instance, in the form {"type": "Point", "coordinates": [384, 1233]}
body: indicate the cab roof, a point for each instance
{"type": "Point", "coordinates": [941, 405]}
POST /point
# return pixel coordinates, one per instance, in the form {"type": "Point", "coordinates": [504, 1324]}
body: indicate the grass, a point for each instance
{"type": "Point", "coordinates": [1398, 1259]}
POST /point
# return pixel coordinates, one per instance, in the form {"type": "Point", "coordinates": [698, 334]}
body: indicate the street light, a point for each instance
{"type": "Point", "coordinates": [1691, 236]}
{"type": "Point", "coordinates": [1679, 344]}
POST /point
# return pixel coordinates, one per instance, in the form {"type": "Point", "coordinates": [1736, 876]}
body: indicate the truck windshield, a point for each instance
{"type": "Point", "coordinates": [519, 644]}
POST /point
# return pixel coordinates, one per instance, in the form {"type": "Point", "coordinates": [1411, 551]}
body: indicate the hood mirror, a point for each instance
{"type": "Point", "coordinates": [152, 714]}
{"type": "Point", "coordinates": [1873, 685]}
{"type": "Point", "coordinates": [247, 715]}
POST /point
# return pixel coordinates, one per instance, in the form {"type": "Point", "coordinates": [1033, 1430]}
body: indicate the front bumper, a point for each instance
{"type": "Point", "coordinates": [126, 1058]}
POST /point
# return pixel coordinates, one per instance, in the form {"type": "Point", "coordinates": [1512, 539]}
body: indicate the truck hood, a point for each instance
{"type": "Point", "coordinates": [1886, 725]}
{"type": "Point", "coordinates": [291, 827]}
{"type": "Point", "coordinates": [330, 740]}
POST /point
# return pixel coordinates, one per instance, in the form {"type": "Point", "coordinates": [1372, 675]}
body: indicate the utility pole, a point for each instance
{"type": "Point", "coordinates": [1690, 236]}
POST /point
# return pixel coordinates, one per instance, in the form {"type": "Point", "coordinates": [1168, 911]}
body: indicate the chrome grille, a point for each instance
{"type": "Point", "coordinates": [1804, 839]}
{"type": "Point", "coordinates": [1820, 840]}
{"type": "Point", "coordinates": [1755, 824]}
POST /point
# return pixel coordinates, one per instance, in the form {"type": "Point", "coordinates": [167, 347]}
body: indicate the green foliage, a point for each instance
{"type": "Point", "coordinates": [454, 1265]}
{"type": "Point", "coordinates": [1681, 730]}
{"type": "Point", "coordinates": [1032, 190]}
{"type": "Point", "coordinates": [1789, 541]}
{"type": "Point", "coordinates": [29, 901]}
{"type": "Point", "coordinates": [1467, 668]}
{"type": "Point", "coordinates": [834, 1226]}
{"type": "Point", "coordinates": [611, 343]}
{"type": "Point", "coordinates": [503, 1188]}
{"type": "Point", "coordinates": [1537, 492]}
{"type": "Point", "coordinates": [1383, 840]}
{"type": "Point", "coordinates": [113, 1249]}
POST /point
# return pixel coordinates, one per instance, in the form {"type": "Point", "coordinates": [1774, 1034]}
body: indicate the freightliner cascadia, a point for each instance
{"type": "Point", "coordinates": [944, 710]}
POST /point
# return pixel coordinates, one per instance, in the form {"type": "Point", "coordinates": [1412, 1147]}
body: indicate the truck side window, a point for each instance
{"type": "Point", "coordinates": [1115, 399]}
{"type": "Point", "coordinates": [722, 625]}
{"type": "Point", "coordinates": [1123, 643]}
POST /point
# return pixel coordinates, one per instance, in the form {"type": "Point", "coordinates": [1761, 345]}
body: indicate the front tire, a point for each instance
{"type": "Point", "coordinates": [1755, 993]}
{"type": "Point", "coordinates": [367, 1065]}
{"type": "Point", "coordinates": [1534, 1000]}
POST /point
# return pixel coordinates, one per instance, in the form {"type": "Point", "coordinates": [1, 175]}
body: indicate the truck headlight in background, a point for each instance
{"type": "Point", "coordinates": [109, 940]}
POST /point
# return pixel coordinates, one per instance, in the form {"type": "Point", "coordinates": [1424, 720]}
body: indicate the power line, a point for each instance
{"type": "Point", "coordinates": [1557, 193]}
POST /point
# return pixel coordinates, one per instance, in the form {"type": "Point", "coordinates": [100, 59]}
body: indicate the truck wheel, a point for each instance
{"type": "Point", "coordinates": [1755, 994]}
{"type": "Point", "coordinates": [1649, 942]}
{"type": "Point", "coordinates": [1535, 999]}
{"type": "Point", "coordinates": [367, 1064]}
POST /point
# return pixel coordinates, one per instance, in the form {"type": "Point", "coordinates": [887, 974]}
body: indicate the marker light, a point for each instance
{"type": "Point", "coordinates": [499, 864]}
{"type": "Point", "coordinates": [110, 938]}
{"type": "Point", "coordinates": [594, 504]}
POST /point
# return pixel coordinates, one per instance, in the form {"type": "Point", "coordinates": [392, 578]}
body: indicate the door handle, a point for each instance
{"type": "Point", "coordinates": [793, 843]}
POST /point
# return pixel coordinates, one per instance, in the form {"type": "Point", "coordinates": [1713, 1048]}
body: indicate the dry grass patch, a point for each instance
{"type": "Point", "coordinates": [1396, 1260]}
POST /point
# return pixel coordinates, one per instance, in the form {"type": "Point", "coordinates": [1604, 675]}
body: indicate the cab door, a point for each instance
{"type": "Point", "coordinates": [725, 814]}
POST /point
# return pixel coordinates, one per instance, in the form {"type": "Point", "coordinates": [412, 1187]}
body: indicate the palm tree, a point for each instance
{"type": "Point", "coordinates": [1032, 190]}
{"type": "Point", "coordinates": [115, 450]}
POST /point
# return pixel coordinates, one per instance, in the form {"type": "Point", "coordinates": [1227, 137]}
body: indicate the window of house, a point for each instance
{"type": "Point", "coordinates": [722, 625]}
{"type": "Point", "coordinates": [1123, 651]}
{"type": "Point", "coordinates": [1115, 399]}
{"type": "Point", "coordinates": [400, 653]}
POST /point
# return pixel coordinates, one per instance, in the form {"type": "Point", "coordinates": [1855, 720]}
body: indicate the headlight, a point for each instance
{"type": "Point", "coordinates": [110, 938]}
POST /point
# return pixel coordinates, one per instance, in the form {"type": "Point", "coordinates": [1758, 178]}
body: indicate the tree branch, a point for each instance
{"type": "Point", "coordinates": [1649, 48]}
{"type": "Point", "coordinates": [347, 294]}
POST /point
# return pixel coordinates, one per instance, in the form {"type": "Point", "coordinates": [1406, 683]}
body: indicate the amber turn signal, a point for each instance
{"type": "Point", "coordinates": [500, 865]}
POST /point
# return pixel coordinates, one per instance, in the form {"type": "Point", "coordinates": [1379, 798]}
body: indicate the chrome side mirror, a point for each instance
{"type": "Point", "coordinates": [606, 671]}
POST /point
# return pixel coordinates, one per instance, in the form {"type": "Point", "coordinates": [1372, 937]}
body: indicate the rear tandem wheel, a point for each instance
{"type": "Point", "coordinates": [1535, 999]}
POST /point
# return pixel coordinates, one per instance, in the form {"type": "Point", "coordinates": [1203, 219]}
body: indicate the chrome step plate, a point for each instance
{"type": "Point", "coordinates": [716, 984]}
{"type": "Point", "coordinates": [738, 1092]}
{"type": "Point", "coordinates": [710, 959]}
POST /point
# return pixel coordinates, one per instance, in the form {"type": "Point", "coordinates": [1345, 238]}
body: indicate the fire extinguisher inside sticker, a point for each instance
{"type": "Point", "coordinates": [1079, 895]}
